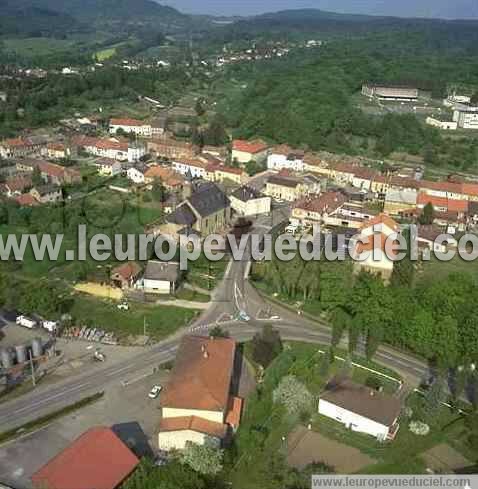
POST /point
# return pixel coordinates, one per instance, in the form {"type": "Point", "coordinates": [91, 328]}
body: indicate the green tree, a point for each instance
{"type": "Point", "coordinates": [428, 214]}
{"type": "Point", "coordinates": [36, 177]}
{"type": "Point", "coordinates": [266, 345]}
{"type": "Point", "coordinates": [159, 193]}
{"type": "Point", "coordinates": [294, 395]}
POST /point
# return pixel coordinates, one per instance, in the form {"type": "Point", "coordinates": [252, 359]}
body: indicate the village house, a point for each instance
{"type": "Point", "coordinates": [136, 150]}
{"type": "Point", "coordinates": [191, 168]}
{"type": "Point", "coordinates": [284, 157]}
{"type": "Point", "coordinates": [290, 189]}
{"type": "Point", "coordinates": [369, 250]}
{"type": "Point", "coordinates": [125, 275]}
{"type": "Point", "coordinates": [427, 239]}
{"type": "Point", "coordinates": [171, 149]}
{"type": "Point", "coordinates": [23, 147]}
{"type": "Point", "coordinates": [400, 202]}
{"type": "Point", "coordinates": [246, 201]}
{"type": "Point", "coordinates": [361, 408]}
{"type": "Point", "coordinates": [58, 175]}
{"type": "Point", "coordinates": [170, 179]}
{"type": "Point", "coordinates": [198, 404]}
{"type": "Point", "coordinates": [245, 151]}
{"type": "Point", "coordinates": [220, 173]}
{"type": "Point", "coordinates": [46, 194]}
{"type": "Point", "coordinates": [161, 277]}
{"type": "Point", "coordinates": [315, 209]}
{"type": "Point", "coordinates": [315, 164]}
{"type": "Point", "coordinates": [15, 186]}
{"type": "Point", "coordinates": [108, 167]}
{"type": "Point", "coordinates": [58, 151]}
{"type": "Point", "coordinates": [130, 126]}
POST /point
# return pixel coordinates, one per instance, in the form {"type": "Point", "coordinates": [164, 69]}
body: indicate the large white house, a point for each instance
{"type": "Point", "coordinates": [284, 157]}
{"type": "Point", "coordinates": [198, 404]}
{"type": "Point", "coordinates": [131, 126]}
{"type": "Point", "coordinates": [191, 168]}
{"type": "Point", "coordinates": [361, 408]}
{"type": "Point", "coordinates": [247, 201]}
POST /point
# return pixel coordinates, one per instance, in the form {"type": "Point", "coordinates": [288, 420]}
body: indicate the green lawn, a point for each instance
{"type": "Point", "coordinates": [206, 274]}
{"type": "Point", "coordinates": [259, 439]}
{"type": "Point", "coordinates": [439, 270]}
{"type": "Point", "coordinates": [191, 295]}
{"type": "Point", "coordinates": [36, 46]}
{"type": "Point", "coordinates": [161, 321]}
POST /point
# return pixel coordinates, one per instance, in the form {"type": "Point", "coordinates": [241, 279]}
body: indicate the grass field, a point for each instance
{"type": "Point", "coordinates": [37, 46]}
{"type": "Point", "coordinates": [161, 321]}
{"type": "Point", "coordinates": [439, 270]}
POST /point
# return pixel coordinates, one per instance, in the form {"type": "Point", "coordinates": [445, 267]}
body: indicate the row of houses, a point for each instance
{"type": "Point", "coordinates": [112, 148]}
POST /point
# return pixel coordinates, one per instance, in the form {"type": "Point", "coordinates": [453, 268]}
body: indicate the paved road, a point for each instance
{"type": "Point", "coordinates": [233, 296]}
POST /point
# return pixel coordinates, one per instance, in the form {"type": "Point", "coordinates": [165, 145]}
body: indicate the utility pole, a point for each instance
{"type": "Point", "coordinates": [32, 367]}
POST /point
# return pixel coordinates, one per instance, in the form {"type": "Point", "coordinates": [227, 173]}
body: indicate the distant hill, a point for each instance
{"type": "Point", "coordinates": [306, 21]}
{"type": "Point", "coordinates": [53, 17]}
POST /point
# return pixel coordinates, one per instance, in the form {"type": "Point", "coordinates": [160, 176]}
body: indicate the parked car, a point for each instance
{"type": "Point", "coordinates": [155, 391]}
{"type": "Point", "coordinates": [243, 316]}
{"type": "Point", "coordinates": [124, 306]}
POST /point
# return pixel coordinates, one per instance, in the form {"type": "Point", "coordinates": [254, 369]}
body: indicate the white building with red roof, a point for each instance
{"type": "Point", "coordinates": [198, 405]}
{"type": "Point", "coordinates": [245, 151]}
{"type": "Point", "coordinates": [131, 126]}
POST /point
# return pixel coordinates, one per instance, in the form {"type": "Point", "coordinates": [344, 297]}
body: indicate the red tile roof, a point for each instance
{"type": "Point", "coordinates": [230, 169]}
{"type": "Point", "coordinates": [193, 423]}
{"type": "Point", "coordinates": [18, 184]}
{"type": "Point", "coordinates": [470, 189]}
{"type": "Point", "coordinates": [234, 411]}
{"type": "Point", "coordinates": [327, 202]}
{"type": "Point", "coordinates": [442, 186]}
{"type": "Point", "coordinates": [26, 200]}
{"type": "Point", "coordinates": [98, 459]}
{"type": "Point", "coordinates": [16, 143]}
{"type": "Point", "coordinates": [126, 122]}
{"type": "Point", "coordinates": [127, 271]}
{"type": "Point", "coordinates": [114, 145]}
{"type": "Point", "coordinates": [201, 376]}
{"type": "Point", "coordinates": [452, 205]}
{"type": "Point", "coordinates": [56, 146]}
{"type": "Point", "coordinates": [253, 147]}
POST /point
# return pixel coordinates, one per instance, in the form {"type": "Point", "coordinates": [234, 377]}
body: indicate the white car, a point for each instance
{"type": "Point", "coordinates": [243, 316]}
{"type": "Point", "coordinates": [123, 306]}
{"type": "Point", "coordinates": [155, 391]}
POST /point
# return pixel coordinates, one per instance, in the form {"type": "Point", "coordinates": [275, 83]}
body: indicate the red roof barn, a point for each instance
{"type": "Point", "coordinates": [98, 459]}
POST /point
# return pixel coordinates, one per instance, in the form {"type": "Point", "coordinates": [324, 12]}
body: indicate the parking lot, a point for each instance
{"type": "Point", "coordinates": [127, 409]}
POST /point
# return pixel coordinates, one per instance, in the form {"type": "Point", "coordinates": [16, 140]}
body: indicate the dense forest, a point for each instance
{"type": "Point", "coordinates": [307, 100]}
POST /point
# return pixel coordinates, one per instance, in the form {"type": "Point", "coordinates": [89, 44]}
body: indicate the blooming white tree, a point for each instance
{"type": "Point", "coordinates": [204, 459]}
{"type": "Point", "coordinates": [419, 428]}
{"type": "Point", "coordinates": [293, 394]}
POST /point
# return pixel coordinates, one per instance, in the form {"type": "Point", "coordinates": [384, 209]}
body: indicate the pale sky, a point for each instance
{"type": "Point", "coordinates": [403, 8]}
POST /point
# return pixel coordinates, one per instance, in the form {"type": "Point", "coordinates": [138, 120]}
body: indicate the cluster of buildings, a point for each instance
{"type": "Point", "coordinates": [21, 187]}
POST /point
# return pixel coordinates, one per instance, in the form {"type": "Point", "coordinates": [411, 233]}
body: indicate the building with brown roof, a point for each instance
{"type": "Point", "coordinates": [97, 459]}
{"type": "Point", "coordinates": [197, 401]}
{"type": "Point", "coordinates": [361, 408]}
{"type": "Point", "coordinates": [172, 149]}
{"type": "Point", "coordinates": [170, 179]}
